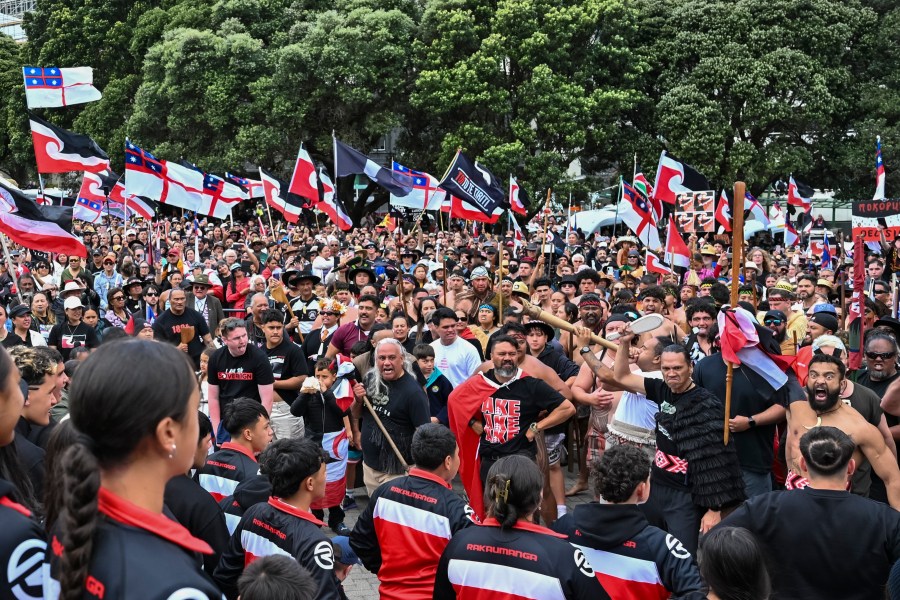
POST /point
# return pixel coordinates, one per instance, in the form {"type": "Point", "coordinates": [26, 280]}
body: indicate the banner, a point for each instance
{"type": "Point", "coordinates": [866, 214]}
{"type": "Point", "coordinates": [695, 212]}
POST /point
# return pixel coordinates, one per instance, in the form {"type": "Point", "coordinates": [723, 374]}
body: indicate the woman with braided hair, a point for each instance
{"type": "Point", "coordinates": [511, 556]}
{"type": "Point", "coordinates": [111, 538]}
{"type": "Point", "coordinates": [22, 544]}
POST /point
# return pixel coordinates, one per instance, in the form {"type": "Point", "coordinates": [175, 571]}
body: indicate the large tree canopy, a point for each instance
{"type": "Point", "coordinates": [752, 89]}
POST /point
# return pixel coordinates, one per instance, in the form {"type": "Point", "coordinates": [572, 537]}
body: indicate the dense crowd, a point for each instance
{"type": "Point", "coordinates": [280, 377]}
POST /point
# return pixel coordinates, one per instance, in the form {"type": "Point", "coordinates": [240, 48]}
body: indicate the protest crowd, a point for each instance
{"type": "Point", "coordinates": [197, 406]}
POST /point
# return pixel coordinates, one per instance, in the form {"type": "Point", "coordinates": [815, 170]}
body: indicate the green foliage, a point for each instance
{"type": "Point", "coordinates": [752, 89]}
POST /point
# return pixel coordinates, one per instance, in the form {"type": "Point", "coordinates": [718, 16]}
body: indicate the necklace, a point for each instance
{"type": "Point", "coordinates": [819, 418]}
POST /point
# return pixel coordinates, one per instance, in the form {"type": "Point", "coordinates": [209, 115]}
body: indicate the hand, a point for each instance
{"type": "Point", "coordinates": [293, 323]}
{"type": "Point", "coordinates": [478, 427]}
{"type": "Point", "coordinates": [434, 420]}
{"type": "Point", "coordinates": [582, 336]}
{"type": "Point", "coordinates": [529, 434]}
{"type": "Point", "coordinates": [710, 520]}
{"type": "Point", "coordinates": [738, 424]}
{"type": "Point", "coordinates": [626, 337]}
{"type": "Point", "coordinates": [359, 391]}
{"type": "Point", "coordinates": [183, 347]}
{"type": "Point", "coordinates": [602, 399]}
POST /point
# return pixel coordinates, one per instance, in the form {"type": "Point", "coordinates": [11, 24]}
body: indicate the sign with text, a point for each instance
{"type": "Point", "coordinates": [869, 214]}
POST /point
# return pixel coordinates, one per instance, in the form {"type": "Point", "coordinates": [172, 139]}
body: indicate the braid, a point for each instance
{"type": "Point", "coordinates": [78, 516]}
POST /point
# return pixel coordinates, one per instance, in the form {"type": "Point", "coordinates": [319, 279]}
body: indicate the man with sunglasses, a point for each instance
{"type": "Point", "coordinates": [781, 298]}
{"type": "Point", "coordinates": [881, 362]}
{"type": "Point", "coordinates": [199, 299]}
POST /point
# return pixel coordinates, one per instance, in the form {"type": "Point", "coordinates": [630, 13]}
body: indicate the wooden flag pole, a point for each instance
{"type": "Point", "coordinates": [737, 250]}
{"type": "Point", "coordinates": [546, 222]}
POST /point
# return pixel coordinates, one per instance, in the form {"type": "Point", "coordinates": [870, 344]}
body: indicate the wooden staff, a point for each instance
{"type": "Point", "coordinates": [737, 246]}
{"type": "Point", "coordinates": [499, 289]}
{"type": "Point", "coordinates": [546, 222]}
{"type": "Point", "coordinates": [387, 436]}
{"type": "Point", "coordinates": [535, 312]}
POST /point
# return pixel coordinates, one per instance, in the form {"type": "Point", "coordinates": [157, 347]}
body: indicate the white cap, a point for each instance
{"type": "Point", "coordinates": [73, 302]}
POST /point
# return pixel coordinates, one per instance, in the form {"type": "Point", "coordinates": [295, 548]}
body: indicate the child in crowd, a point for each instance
{"type": "Point", "coordinates": [324, 403]}
{"type": "Point", "coordinates": [436, 385]}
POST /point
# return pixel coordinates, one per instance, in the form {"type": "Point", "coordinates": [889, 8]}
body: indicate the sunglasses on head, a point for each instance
{"type": "Point", "coordinates": [773, 321]}
{"type": "Point", "coordinates": [882, 355]}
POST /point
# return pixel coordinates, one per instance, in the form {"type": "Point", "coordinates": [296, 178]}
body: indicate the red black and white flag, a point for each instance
{"type": "Point", "coordinates": [674, 177]}
{"type": "Point", "coordinates": [799, 195]}
{"type": "Point", "coordinates": [60, 151]}
{"type": "Point", "coordinates": [279, 198]}
{"type": "Point", "coordinates": [304, 181]}
{"type": "Point", "coordinates": [518, 199]}
{"type": "Point", "coordinates": [37, 227]}
{"type": "Point", "coordinates": [656, 265]}
{"type": "Point", "coordinates": [723, 213]}
{"type": "Point", "coordinates": [331, 205]}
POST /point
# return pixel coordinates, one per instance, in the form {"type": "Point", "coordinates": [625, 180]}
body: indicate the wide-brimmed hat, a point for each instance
{"type": "Point", "coordinates": [627, 238]}
{"type": "Point", "coordinates": [294, 275]}
{"type": "Point", "coordinates": [202, 280]}
{"type": "Point", "coordinates": [351, 276]}
{"type": "Point", "coordinates": [708, 250]}
{"type": "Point", "coordinates": [72, 286]}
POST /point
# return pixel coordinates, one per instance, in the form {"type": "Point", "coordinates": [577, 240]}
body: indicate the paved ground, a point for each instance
{"type": "Point", "coordinates": [362, 585]}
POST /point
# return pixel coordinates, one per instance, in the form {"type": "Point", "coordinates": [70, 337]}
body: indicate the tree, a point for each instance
{"type": "Point", "coordinates": [753, 89]}
{"type": "Point", "coordinates": [527, 86]}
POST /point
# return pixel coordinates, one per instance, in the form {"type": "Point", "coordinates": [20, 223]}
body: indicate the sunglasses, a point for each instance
{"type": "Point", "coordinates": [881, 291]}
{"type": "Point", "coordinates": [881, 355]}
{"type": "Point", "coordinates": [108, 262]}
{"type": "Point", "coordinates": [773, 321]}
{"type": "Point", "coordinates": [118, 297]}
{"type": "Point", "coordinates": [152, 295]}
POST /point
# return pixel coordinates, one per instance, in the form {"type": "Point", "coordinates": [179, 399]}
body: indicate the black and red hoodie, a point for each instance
{"type": "Point", "coordinates": [633, 560]}
{"type": "Point", "coordinates": [137, 554]}
{"type": "Point", "coordinates": [419, 511]}
{"type": "Point", "coordinates": [22, 548]}
{"type": "Point", "coordinates": [226, 468]}
{"type": "Point", "coordinates": [276, 527]}
{"type": "Point", "coordinates": [525, 561]}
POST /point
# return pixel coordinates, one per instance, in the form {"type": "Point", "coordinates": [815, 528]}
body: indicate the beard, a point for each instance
{"type": "Point", "coordinates": [506, 369]}
{"type": "Point", "coordinates": [825, 403]}
{"type": "Point", "coordinates": [780, 335]}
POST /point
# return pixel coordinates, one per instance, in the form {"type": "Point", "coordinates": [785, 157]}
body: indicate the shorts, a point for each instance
{"type": "Point", "coordinates": [595, 442]}
{"type": "Point", "coordinates": [354, 455]}
{"type": "Point", "coordinates": [556, 447]}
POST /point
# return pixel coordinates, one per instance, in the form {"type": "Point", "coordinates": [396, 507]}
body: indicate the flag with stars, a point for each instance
{"type": "Point", "coordinates": [638, 215]}
{"type": "Point", "coordinates": [87, 210]}
{"type": "Point", "coordinates": [425, 192]}
{"type": "Point", "coordinates": [160, 180]}
{"type": "Point", "coordinates": [50, 87]}
{"type": "Point", "coordinates": [253, 187]}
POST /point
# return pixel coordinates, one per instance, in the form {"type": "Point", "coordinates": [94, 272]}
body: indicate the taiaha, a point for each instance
{"type": "Point", "coordinates": [737, 250]}
{"type": "Point", "coordinates": [543, 239]}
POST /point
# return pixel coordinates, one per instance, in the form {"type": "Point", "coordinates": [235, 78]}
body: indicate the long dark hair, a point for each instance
{"type": "Point", "coordinates": [10, 464]}
{"type": "Point", "coordinates": [732, 564]}
{"type": "Point", "coordinates": [513, 489]}
{"type": "Point", "coordinates": [112, 419]}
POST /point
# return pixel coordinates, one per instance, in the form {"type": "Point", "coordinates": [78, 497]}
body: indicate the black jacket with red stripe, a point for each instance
{"type": "Point", "coordinates": [22, 548]}
{"type": "Point", "coordinates": [138, 554]}
{"type": "Point", "coordinates": [633, 560]}
{"type": "Point", "coordinates": [225, 469]}
{"type": "Point", "coordinates": [276, 527]}
{"type": "Point", "coordinates": [251, 491]}
{"type": "Point", "coordinates": [420, 511]}
{"type": "Point", "coordinates": [525, 561]}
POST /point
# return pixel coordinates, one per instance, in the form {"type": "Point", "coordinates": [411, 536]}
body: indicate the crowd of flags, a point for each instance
{"type": "Point", "coordinates": [468, 190]}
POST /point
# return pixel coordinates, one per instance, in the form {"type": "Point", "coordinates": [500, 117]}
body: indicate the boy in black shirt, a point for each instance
{"type": "Point", "coordinates": [289, 370]}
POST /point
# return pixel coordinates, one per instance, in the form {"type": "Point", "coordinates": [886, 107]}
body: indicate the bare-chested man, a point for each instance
{"type": "Point", "coordinates": [591, 314]}
{"type": "Point", "coordinates": [824, 407]}
{"type": "Point", "coordinates": [653, 301]}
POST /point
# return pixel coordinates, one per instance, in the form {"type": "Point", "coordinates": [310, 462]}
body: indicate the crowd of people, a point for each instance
{"type": "Point", "coordinates": [193, 413]}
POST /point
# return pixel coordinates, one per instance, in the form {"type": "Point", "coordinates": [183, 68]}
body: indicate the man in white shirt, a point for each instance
{"type": "Point", "coordinates": [456, 358]}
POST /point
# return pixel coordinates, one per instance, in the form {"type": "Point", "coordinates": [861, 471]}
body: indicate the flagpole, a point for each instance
{"type": "Point", "coordinates": [737, 249]}
{"type": "Point", "coordinates": [335, 182]}
{"type": "Point", "coordinates": [11, 266]}
{"type": "Point", "coordinates": [619, 201]}
{"type": "Point", "coordinates": [544, 236]}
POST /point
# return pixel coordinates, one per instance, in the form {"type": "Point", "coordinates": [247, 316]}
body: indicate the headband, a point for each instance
{"type": "Point", "coordinates": [487, 306]}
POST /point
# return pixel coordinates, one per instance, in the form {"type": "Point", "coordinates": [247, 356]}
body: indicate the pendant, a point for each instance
{"type": "Point", "coordinates": [818, 423]}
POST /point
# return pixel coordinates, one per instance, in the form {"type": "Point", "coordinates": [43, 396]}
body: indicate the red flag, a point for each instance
{"type": "Point", "coordinates": [723, 214]}
{"type": "Point", "coordinates": [677, 253]}
{"type": "Point", "coordinates": [674, 177]}
{"type": "Point", "coordinates": [304, 182]}
{"type": "Point", "coordinates": [463, 405]}
{"type": "Point", "coordinates": [515, 203]}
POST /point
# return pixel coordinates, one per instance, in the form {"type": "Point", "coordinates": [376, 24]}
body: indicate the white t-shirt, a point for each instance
{"type": "Point", "coordinates": [636, 409]}
{"type": "Point", "coordinates": [458, 361]}
{"type": "Point", "coordinates": [321, 266]}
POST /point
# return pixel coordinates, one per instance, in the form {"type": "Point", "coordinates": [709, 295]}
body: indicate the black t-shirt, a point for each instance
{"type": "Point", "coordinates": [239, 376]}
{"type": "Point", "coordinates": [509, 411]}
{"type": "Point", "coordinates": [402, 406]}
{"type": "Point", "coordinates": [168, 326]}
{"type": "Point", "coordinates": [65, 337]}
{"type": "Point", "coordinates": [287, 360]}
{"type": "Point", "coordinates": [12, 340]}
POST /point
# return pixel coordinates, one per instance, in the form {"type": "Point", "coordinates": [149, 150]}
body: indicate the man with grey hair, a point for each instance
{"type": "Point", "coordinates": [401, 405]}
{"type": "Point", "coordinates": [259, 303]}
